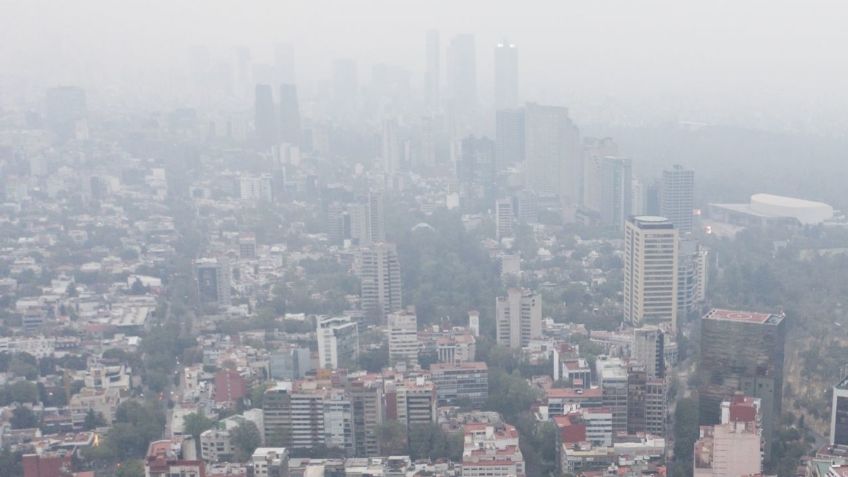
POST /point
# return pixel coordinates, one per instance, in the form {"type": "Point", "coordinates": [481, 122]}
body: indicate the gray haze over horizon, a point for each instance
{"type": "Point", "coordinates": [765, 64]}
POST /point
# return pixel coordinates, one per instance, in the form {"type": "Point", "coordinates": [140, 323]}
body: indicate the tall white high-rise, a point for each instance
{"type": "Point", "coordinates": [379, 272]}
{"type": "Point", "coordinates": [506, 75]}
{"type": "Point", "coordinates": [678, 197]}
{"type": "Point", "coordinates": [553, 159]}
{"type": "Point", "coordinates": [338, 342]}
{"type": "Point", "coordinates": [650, 271]}
{"type": "Point", "coordinates": [519, 317]}
{"type": "Point", "coordinates": [474, 322]}
{"type": "Point", "coordinates": [504, 219]}
{"type": "Point", "coordinates": [403, 337]}
{"type": "Point", "coordinates": [367, 219]}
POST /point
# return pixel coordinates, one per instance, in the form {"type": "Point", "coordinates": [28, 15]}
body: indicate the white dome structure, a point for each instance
{"type": "Point", "coordinates": [806, 211]}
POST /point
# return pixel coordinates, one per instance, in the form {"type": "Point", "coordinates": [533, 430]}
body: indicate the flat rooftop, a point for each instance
{"type": "Point", "coordinates": [743, 316]}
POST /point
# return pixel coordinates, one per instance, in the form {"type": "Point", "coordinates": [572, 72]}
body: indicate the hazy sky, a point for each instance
{"type": "Point", "coordinates": [734, 57]}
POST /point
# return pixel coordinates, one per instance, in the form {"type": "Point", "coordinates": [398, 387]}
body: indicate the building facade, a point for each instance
{"type": "Point", "coordinates": [519, 317]}
{"type": "Point", "coordinates": [338, 342]}
{"type": "Point", "coordinates": [650, 272]}
{"type": "Point", "coordinates": [742, 352]}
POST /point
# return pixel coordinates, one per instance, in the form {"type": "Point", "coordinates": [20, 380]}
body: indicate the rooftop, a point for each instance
{"type": "Point", "coordinates": [651, 222]}
{"type": "Point", "coordinates": [743, 316]}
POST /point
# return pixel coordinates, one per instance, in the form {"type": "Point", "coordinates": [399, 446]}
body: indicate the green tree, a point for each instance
{"type": "Point", "coordinates": [195, 423]}
{"type": "Point", "coordinates": [20, 391]}
{"type": "Point", "coordinates": [374, 360]}
{"type": "Point", "coordinates": [10, 462]}
{"type": "Point", "coordinates": [686, 431]}
{"type": "Point", "coordinates": [391, 438]}
{"type": "Point", "coordinates": [429, 441]}
{"type": "Point", "coordinates": [138, 288]}
{"type": "Point", "coordinates": [93, 420]}
{"type": "Point", "coordinates": [509, 394]}
{"type": "Point", "coordinates": [246, 439]}
{"type": "Point", "coordinates": [23, 418]}
{"type": "Point", "coordinates": [130, 468]}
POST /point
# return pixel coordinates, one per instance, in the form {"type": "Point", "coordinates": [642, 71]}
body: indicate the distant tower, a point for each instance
{"type": "Point", "coordinates": [432, 80]}
{"type": "Point", "coordinates": [553, 159]}
{"type": "Point", "coordinates": [462, 82]}
{"type": "Point", "coordinates": [289, 114]}
{"type": "Point", "coordinates": [506, 76]}
{"type": "Point", "coordinates": [650, 271]}
{"type": "Point", "coordinates": [678, 197]}
{"type": "Point", "coordinates": [608, 183]}
{"type": "Point", "coordinates": [504, 219]}
{"type": "Point", "coordinates": [379, 272]}
{"type": "Point", "coordinates": [519, 317]}
{"type": "Point", "coordinates": [376, 217]}
{"type": "Point", "coordinates": [509, 137]}
{"type": "Point", "coordinates": [391, 150]}
{"type": "Point", "coordinates": [265, 117]}
{"type": "Point", "coordinates": [475, 170]}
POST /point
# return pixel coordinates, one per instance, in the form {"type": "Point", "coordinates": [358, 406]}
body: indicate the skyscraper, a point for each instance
{"type": "Point", "coordinates": [213, 281]}
{"type": "Point", "coordinates": [392, 150]}
{"type": "Point", "coordinates": [678, 197]}
{"type": "Point", "coordinates": [519, 317]}
{"type": "Point", "coordinates": [608, 188]}
{"type": "Point", "coordinates": [691, 275]}
{"type": "Point", "coordinates": [504, 219]}
{"type": "Point", "coordinates": [379, 272]}
{"type": "Point", "coordinates": [376, 217]}
{"type": "Point", "coordinates": [403, 337]}
{"type": "Point", "coordinates": [509, 137]}
{"type": "Point", "coordinates": [432, 80]}
{"type": "Point", "coordinates": [475, 170]}
{"type": "Point", "coordinates": [650, 271]}
{"type": "Point", "coordinates": [265, 117]}
{"type": "Point", "coordinates": [553, 160]}
{"type": "Point", "coordinates": [742, 352]}
{"type": "Point", "coordinates": [506, 75]}
{"type": "Point", "coordinates": [462, 81]}
{"type": "Point", "coordinates": [367, 219]}
{"type": "Point", "coordinates": [338, 342]}
{"type": "Point", "coordinates": [289, 114]}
